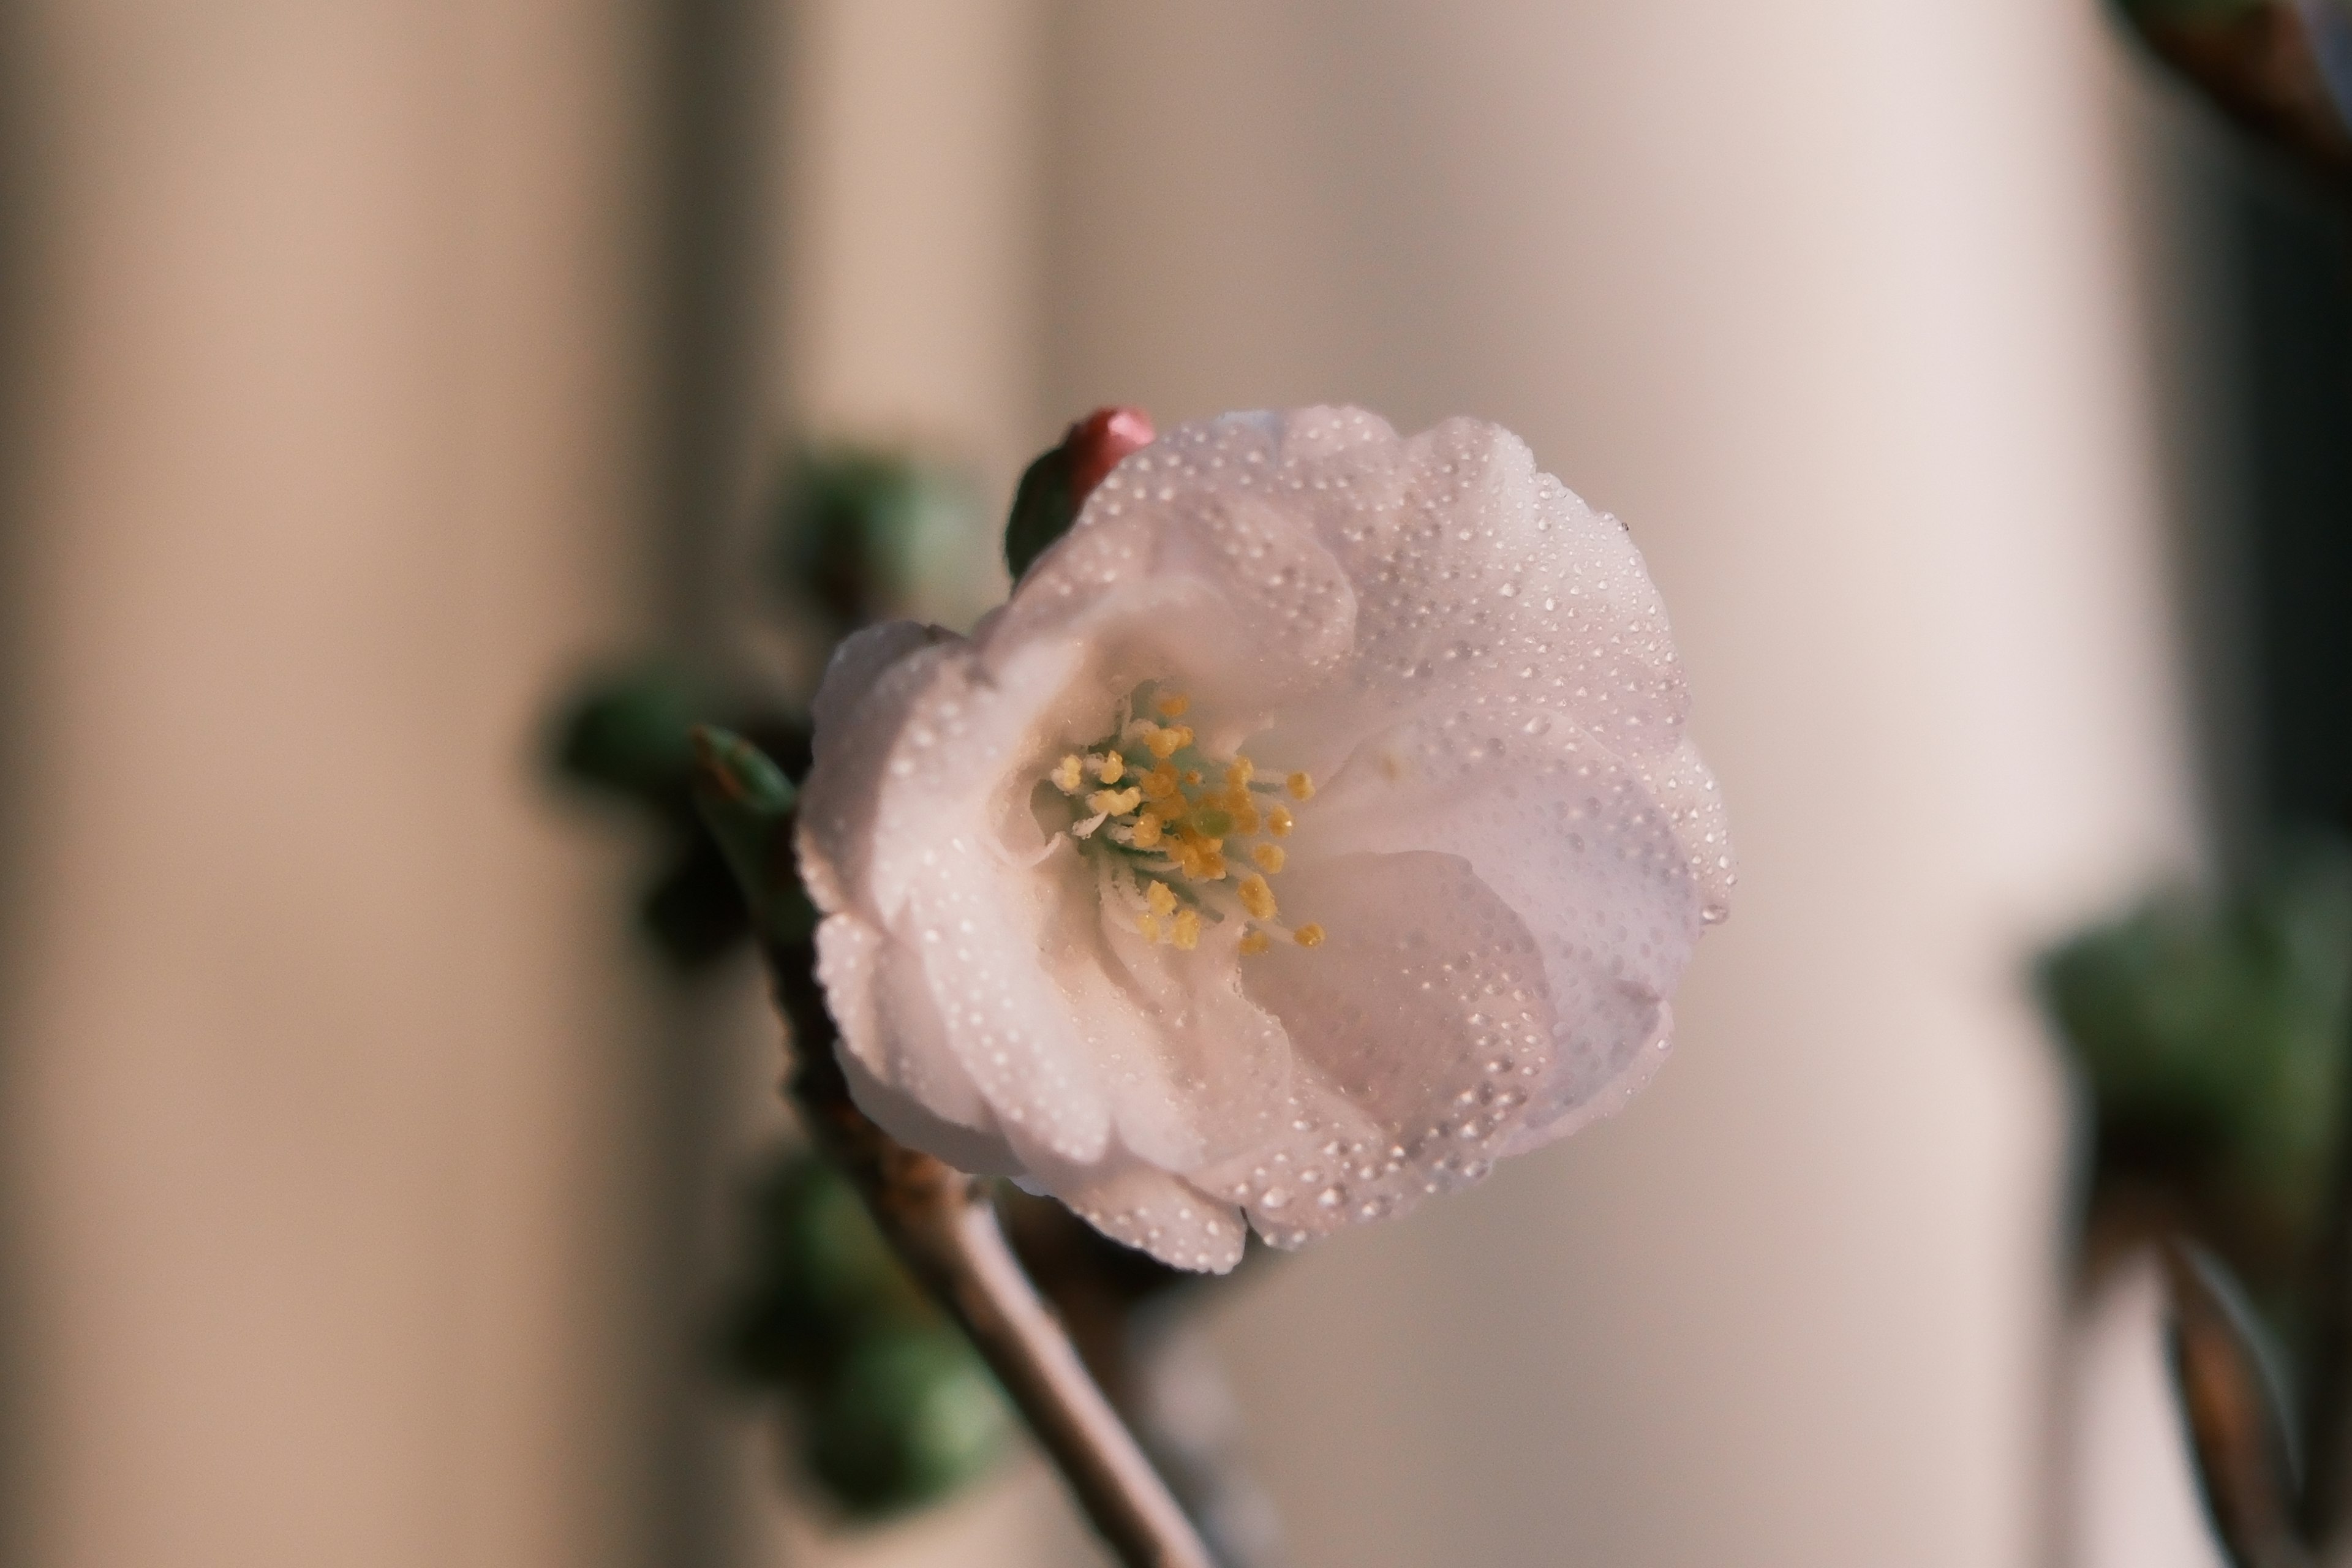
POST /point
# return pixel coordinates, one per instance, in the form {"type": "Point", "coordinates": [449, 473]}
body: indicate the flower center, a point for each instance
{"type": "Point", "coordinates": [1181, 836]}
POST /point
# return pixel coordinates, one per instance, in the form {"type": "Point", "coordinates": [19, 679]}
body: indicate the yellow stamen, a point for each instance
{"type": "Point", "coordinates": [1239, 772]}
{"type": "Point", "coordinates": [1278, 821]}
{"type": "Point", "coordinates": [1257, 897]}
{"type": "Point", "coordinates": [1166, 744]}
{"type": "Point", "coordinates": [1245, 818]}
{"type": "Point", "coordinates": [1269, 857]}
{"type": "Point", "coordinates": [1114, 802]}
{"type": "Point", "coordinates": [1300, 786]}
{"type": "Point", "coordinates": [1150, 926]}
{"type": "Point", "coordinates": [1254, 943]}
{"type": "Point", "coordinates": [1191, 775]}
{"type": "Point", "coordinates": [1212, 866]}
{"type": "Point", "coordinates": [1162, 901]}
{"type": "Point", "coordinates": [1159, 784]}
{"type": "Point", "coordinates": [1147, 831]}
{"type": "Point", "coordinates": [1308, 935]}
{"type": "Point", "coordinates": [1109, 766]}
{"type": "Point", "coordinates": [1173, 704]}
{"type": "Point", "coordinates": [1187, 934]}
{"type": "Point", "coordinates": [1069, 773]}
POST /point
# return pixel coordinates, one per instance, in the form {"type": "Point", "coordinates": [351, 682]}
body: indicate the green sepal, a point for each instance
{"type": "Point", "coordinates": [748, 802]}
{"type": "Point", "coordinates": [1044, 507]}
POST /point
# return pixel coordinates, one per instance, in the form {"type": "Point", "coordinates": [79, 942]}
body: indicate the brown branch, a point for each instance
{"type": "Point", "coordinates": [2235, 1431]}
{"type": "Point", "coordinates": [2256, 61]}
{"type": "Point", "coordinates": [943, 1228]}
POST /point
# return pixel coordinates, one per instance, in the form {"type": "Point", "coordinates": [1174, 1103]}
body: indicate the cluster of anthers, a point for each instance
{"type": "Point", "coordinates": [1172, 822]}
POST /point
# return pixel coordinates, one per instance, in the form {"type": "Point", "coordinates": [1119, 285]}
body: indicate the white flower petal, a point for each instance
{"type": "Point", "coordinates": [1150, 1209]}
{"type": "Point", "coordinates": [1571, 840]}
{"type": "Point", "coordinates": [901, 1071]}
{"type": "Point", "coordinates": [914, 827]}
{"type": "Point", "coordinates": [1195, 1071]}
{"type": "Point", "coordinates": [1206, 560]}
{"type": "Point", "coordinates": [1427, 1019]}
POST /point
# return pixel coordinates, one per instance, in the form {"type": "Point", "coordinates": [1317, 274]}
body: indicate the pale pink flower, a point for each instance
{"type": "Point", "coordinates": [1314, 826]}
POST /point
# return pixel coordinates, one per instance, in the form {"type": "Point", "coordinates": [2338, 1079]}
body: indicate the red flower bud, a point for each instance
{"type": "Point", "coordinates": [1097, 443]}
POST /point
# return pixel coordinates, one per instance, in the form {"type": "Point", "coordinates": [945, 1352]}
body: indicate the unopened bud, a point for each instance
{"type": "Point", "coordinates": [1057, 484]}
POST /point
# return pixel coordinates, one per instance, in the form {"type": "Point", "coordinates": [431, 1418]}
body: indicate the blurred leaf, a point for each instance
{"type": "Point", "coordinates": [891, 1406]}
{"type": "Point", "coordinates": [905, 1419]}
{"type": "Point", "coordinates": [2212, 1035]}
{"type": "Point", "coordinates": [694, 911]}
{"type": "Point", "coordinates": [628, 733]}
{"type": "Point", "coordinates": [864, 536]}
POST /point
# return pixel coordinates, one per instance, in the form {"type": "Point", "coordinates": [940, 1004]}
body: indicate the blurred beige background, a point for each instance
{"type": "Point", "coordinates": [345, 422]}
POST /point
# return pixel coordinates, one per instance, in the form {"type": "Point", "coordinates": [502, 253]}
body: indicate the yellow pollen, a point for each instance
{"type": "Point", "coordinates": [1269, 857]}
{"type": "Point", "coordinates": [1212, 866]}
{"type": "Point", "coordinates": [1308, 935]}
{"type": "Point", "coordinates": [1245, 817]}
{"type": "Point", "coordinates": [1109, 767]}
{"type": "Point", "coordinates": [1114, 802]}
{"type": "Point", "coordinates": [1150, 926]}
{"type": "Point", "coordinates": [1187, 859]}
{"type": "Point", "coordinates": [1238, 774]}
{"type": "Point", "coordinates": [1277, 821]}
{"type": "Point", "coordinates": [1159, 784]}
{"type": "Point", "coordinates": [1166, 744]}
{"type": "Point", "coordinates": [1173, 704]}
{"type": "Point", "coordinates": [1147, 831]}
{"type": "Point", "coordinates": [1187, 934]}
{"type": "Point", "coordinates": [1257, 897]}
{"type": "Point", "coordinates": [1254, 943]}
{"type": "Point", "coordinates": [1300, 786]}
{"type": "Point", "coordinates": [1069, 773]}
{"type": "Point", "coordinates": [1191, 775]}
{"type": "Point", "coordinates": [1162, 901]}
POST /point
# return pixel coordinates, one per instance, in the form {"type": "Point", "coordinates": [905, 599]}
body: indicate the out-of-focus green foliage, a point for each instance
{"type": "Point", "coordinates": [2214, 1037]}
{"type": "Point", "coordinates": [854, 537]}
{"type": "Point", "coordinates": [628, 735]}
{"type": "Point", "coordinates": [863, 536]}
{"type": "Point", "coordinates": [888, 1404]}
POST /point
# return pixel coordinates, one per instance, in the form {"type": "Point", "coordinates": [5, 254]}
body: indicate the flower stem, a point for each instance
{"type": "Point", "coordinates": [943, 1228]}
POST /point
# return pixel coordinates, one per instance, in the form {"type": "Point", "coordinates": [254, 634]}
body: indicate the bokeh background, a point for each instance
{"type": "Point", "coordinates": [369, 371]}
